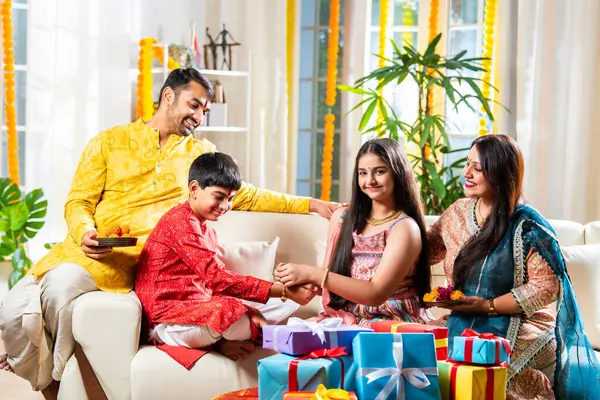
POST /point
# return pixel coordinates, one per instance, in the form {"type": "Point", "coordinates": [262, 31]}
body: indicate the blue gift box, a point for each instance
{"type": "Point", "coordinates": [396, 366]}
{"type": "Point", "coordinates": [477, 350]}
{"type": "Point", "coordinates": [273, 375]}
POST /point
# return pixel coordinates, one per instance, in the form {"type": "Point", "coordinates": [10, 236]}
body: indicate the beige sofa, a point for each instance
{"type": "Point", "coordinates": [107, 325]}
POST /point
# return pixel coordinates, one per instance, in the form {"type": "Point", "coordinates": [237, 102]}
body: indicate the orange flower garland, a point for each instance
{"type": "Point", "coordinates": [434, 12]}
{"type": "Point", "coordinates": [148, 49]}
{"type": "Point", "coordinates": [489, 23]}
{"type": "Point", "coordinates": [384, 11]}
{"type": "Point", "coordinates": [330, 94]}
{"type": "Point", "coordinates": [289, 48]}
{"type": "Point", "coordinates": [10, 93]}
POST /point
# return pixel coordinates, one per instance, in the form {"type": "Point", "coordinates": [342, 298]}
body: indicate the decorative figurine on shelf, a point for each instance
{"type": "Point", "coordinates": [212, 45]}
{"type": "Point", "coordinates": [226, 47]}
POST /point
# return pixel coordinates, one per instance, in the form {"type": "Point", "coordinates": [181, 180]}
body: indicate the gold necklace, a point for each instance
{"type": "Point", "coordinates": [375, 222]}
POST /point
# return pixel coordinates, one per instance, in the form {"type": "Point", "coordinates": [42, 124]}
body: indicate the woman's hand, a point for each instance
{"type": "Point", "coordinates": [296, 274]}
{"type": "Point", "coordinates": [471, 305]}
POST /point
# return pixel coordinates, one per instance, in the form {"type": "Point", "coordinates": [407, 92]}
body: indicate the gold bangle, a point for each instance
{"type": "Point", "coordinates": [324, 278]}
{"type": "Point", "coordinates": [283, 295]}
{"type": "Point", "coordinates": [492, 310]}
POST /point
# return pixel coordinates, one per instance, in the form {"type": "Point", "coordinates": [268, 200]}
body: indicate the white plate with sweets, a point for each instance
{"type": "Point", "coordinates": [116, 236]}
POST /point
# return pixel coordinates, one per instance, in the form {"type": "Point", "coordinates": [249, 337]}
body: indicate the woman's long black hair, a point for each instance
{"type": "Point", "coordinates": [406, 196]}
{"type": "Point", "coordinates": [502, 165]}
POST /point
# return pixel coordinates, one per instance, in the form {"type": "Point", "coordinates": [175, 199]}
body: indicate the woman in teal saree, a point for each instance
{"type": "Point", "coordinates": [506, 259]}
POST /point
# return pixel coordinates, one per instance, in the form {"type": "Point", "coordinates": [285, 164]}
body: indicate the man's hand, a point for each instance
{"type": "Point", "coordinates": [90, 246]}
{"type": "Point", "coordinates": [324, 208]}
{"type": "Point", "coordinates": [300, 294]}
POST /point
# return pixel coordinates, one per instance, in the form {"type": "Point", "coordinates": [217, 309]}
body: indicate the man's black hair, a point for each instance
{"type": "Point", "coordinates": [180, 78]}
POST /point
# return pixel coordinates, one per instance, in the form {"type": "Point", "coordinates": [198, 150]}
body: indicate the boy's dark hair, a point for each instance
{"type": "Point", "coordinates": [215, 169]}
{"type": "Point", "coordinates": [180, 78]}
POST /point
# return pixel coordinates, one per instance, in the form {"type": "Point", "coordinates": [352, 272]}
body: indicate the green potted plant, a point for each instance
{"type": "Point", "coordinates": [21, 218]}
{"type": "Point", "coordinates": [440, 185]}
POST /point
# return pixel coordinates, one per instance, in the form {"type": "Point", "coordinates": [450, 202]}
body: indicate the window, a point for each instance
{"type": "Point", "coordinates": [19, 20]}
{"type": "Point", "coordinates": [464, 22]}
{"type": "Point", "coordinates": [314, 25]}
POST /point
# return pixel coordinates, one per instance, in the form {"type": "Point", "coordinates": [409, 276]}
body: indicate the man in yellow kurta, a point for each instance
{"type": "Point", "coordinates": [128, 175]}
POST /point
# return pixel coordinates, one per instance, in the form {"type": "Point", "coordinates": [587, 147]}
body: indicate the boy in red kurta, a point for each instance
{"type": "Point", "coordinates": [188, 297]}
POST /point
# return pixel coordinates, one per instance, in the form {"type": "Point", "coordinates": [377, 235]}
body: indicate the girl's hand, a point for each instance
{"type": "Point", "coordinates": [471, 305]}
{"type": "Point", "coordinates": [296, 274]}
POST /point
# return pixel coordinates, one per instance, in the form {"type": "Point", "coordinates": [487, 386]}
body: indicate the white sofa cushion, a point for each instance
{"type": "Point", "coordinates": [155, 375]}
{"type": "Point", "coordinates": [251, 258]}
{"type": "Point", "coordinates": [297, 233]}
{"type": "Point", "coordinates": [592, 233]}
{"type": "Point", "coordinates": [583, 265]}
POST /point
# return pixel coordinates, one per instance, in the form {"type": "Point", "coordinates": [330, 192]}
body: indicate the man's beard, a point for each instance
{"type": "Point", "coordinates": [185, 129]}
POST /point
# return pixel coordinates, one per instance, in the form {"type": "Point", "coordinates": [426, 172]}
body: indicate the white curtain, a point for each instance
{"type": "Point", "coordinates": [78, 84]}
{"type": "Point", "coordinates": [558, 105]}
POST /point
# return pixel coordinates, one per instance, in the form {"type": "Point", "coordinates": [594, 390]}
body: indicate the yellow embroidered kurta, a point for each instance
{"type": "Point", "coordinates": [125, 177]}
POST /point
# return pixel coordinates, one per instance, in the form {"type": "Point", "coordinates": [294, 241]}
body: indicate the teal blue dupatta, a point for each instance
{"type": "Point", "coordinates": [577, 372]}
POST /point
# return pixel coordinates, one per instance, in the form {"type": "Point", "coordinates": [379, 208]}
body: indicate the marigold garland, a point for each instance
{"type": "Point", "coordinates": [330, 94]}
{"type": "Point", "coordinates": [434, 12]}
{"type": "Point", "coordinates": [489, 24]}
{"type": "Point", "coordinates": [290, 29]}
{"type": "Point", "coordinates": [10, 93]}
{"type": "Point", "coordinates": [148, 49]}
{"type": "Point", "coordinates": [384, 11]}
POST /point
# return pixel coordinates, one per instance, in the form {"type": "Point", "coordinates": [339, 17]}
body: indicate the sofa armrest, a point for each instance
{"type": "Point", "coordinates": [107, 325]}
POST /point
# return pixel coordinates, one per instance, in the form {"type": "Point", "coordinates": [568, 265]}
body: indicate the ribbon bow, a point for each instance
{"type": "Point", "coordinates": [316, 327]}
{"type": "Point", "coordinates": [489, 336]}
{"type": "Point", "coordinates": [323, 353]}
{"type": "Point", "coordinates": [323, 393]}
{"type": "Point", "coordinates": [414, 376]}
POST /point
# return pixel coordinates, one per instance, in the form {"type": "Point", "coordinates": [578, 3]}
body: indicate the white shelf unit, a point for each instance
{"type": "Point", "coordinates": [231, 77]}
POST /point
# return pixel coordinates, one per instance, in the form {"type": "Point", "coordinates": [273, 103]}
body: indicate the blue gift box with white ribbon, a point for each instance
{"type": "Point", "coordinates": [396, 366]}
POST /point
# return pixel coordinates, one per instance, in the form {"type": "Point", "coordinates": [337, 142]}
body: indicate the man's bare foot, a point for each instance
{"type": "Point", "coordinates": [4, 366]}
{"type": "Point", "coordinates": [233, 349]}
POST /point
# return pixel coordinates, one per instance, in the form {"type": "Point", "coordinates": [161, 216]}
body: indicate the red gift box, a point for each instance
{"type": "Point", "coordinates": [439, 332]}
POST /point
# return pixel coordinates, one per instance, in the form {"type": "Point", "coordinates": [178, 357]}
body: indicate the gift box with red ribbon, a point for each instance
{"type": "Point", "coordinates": [322, 393]}
{"type": "Point", "coordinates": [281, 373]}
{"type": "Point", "coordinates": [460, 381]}
{"type": "Point", "coordinates": [440, 333]}
{"type": "Point", "coordinates": [248, 394]}
{"type": "Point", "coordinates": [480, 348]}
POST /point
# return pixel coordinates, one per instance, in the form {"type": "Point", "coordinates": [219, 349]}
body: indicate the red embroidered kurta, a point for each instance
{"type": "Point", "coordinates": [180, 279]}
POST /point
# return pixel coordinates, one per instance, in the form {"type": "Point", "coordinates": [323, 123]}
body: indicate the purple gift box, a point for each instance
{"type": "Point", "coordinates": [301, 337]}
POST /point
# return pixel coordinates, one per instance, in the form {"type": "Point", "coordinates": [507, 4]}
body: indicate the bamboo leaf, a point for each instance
{"type": "Point", "coordinates": [431, 48]}
{"type": "Point", "coordinates": [367, 116]}
{"type": "Point", "coordinates": [353, 89]}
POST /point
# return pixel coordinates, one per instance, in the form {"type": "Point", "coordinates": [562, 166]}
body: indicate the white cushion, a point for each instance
{"type": "Point", "coordinates": [297, 233]}
{"type": "Point", "coordinates": [583, 265]}
{"type": "Point", "coordinates": [155, 375]}
{"type": "Point", "coordinates": [592, 233]}
{"type": "Point", "coordinates": [251, 258]}
{"type": "Point", "coordinates": [568, 233]}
